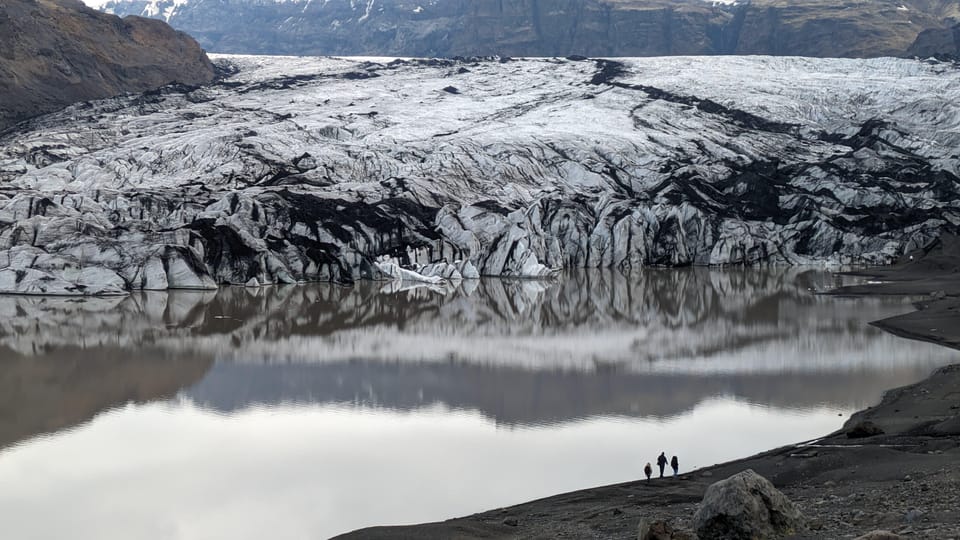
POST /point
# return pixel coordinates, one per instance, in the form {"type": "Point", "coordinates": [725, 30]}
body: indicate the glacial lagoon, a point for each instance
{"type": "Point", "coordinates": [307, 411]}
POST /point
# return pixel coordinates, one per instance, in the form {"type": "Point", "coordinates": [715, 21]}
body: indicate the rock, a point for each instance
{"type": "Point", "coordinates": [879, 535]}
{"type": "Point", "coordinates": [937, 41]}
{"type": "Point", "coordinates": [864, 429]}
{"type": "Point", "coordinates": [511, 522]}
{"type": "Point", "coordinates": [253, 282]}
{"type": "Point", "coordinates": [948, 427]}
{"type": "Point", "coordinates": [660, 530]}
{"type": "Point", "coordinates": [53, 54]}
{"type": "Point", "coordinates": [746, 506]}
{"type": "Point", "coordinates": [643, 529]}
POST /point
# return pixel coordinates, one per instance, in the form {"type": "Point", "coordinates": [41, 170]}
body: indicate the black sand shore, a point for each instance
{"type": "Point", "coordinates": [906, 480]}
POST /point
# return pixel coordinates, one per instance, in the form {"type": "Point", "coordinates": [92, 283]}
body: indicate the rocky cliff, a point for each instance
{"type": "Point", "coordinates": [425, 28]}
{"type": "Point", "coordinates": [937, 42]}
{"type": "Point", "coordinates": [302, 169]}
{"type": "Point", "coordinates": [57, 52]}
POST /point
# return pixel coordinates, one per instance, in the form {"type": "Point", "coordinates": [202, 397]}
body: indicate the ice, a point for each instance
{"type": "Point", "coordinates": [313, 169]}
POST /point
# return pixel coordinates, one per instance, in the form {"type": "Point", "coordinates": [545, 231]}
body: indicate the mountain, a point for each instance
{"type": "Point", "coordinates": [937, 41]}
{"type": "Point", "coordinates": [304, 169]}
{"type": "Point", "coordinates": [57, 52]}
{"type": "Point", "coordinates": [434, 28]}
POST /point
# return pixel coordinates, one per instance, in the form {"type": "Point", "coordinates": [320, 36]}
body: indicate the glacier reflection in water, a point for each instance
{"type": "Point", "coordinates": [329, 408]}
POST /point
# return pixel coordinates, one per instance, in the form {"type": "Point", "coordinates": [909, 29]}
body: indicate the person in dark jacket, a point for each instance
{"type": "Point", "coordinates": [648, 470]}
{"type": "Point", "coordinates": [662, 462]}
{"type": "Point", "coordinates": [675, 464]}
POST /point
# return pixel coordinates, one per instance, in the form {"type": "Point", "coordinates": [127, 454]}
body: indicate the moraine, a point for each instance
{"type": "Point", "coordinates": [324, 169]}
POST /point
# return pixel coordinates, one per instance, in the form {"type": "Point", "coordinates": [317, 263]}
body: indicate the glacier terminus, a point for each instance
{"type": "Point", "coordinates": [337, 169]}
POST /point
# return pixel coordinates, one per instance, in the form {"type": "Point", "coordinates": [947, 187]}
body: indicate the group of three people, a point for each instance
{"type": "Point", "coordinates": [662, 462]}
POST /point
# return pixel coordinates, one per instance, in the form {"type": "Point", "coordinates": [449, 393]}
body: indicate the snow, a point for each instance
{"type": "Point", "coordinates": [163, 9]}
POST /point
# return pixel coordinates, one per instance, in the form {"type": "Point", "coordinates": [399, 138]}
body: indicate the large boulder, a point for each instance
{"type": "Point", "coordinates": [746, 506]}
{"type": "Point", "coordinates": [660, 530]}
{"type": "Point", "coordinates": [864, 429]}
{"type": "Point", "coordinates": [949, 427]}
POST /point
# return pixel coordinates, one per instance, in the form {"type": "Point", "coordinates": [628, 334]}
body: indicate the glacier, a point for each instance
{"type": "Point", "coordinates": [289, 170]}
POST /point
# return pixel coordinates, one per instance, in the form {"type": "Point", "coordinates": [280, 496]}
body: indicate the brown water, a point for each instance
{"type": "Point", "coordinates": [306, 411]}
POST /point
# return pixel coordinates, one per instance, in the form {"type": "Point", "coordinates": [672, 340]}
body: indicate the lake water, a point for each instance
{"type": "Point", "coordinates": [307, 411]}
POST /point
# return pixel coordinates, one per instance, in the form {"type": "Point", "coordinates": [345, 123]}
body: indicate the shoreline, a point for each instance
{"type": "Point", "coordinates": [904, 480]}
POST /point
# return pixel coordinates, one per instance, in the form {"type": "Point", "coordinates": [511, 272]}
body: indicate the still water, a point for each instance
{"type": "Point", "coordinates": [307, 411]}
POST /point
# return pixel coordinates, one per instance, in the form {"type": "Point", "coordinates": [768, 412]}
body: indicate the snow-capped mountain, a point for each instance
{"type": "Point", "coordinates": [300, 169]}
{"type": "Point", "coordinates": [423, 28]}
{"type": "Point", "coordinates": [162, 9]}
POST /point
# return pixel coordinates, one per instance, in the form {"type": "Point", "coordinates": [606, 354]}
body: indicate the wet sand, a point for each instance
{"type": "Point", "coordinates": [905, 480]}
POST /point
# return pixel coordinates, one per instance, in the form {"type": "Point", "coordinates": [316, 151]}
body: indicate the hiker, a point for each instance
{"type": "Point", "coordinates": [648, 470]}
{"type": "Point", "coordinates": [662, 462]}
{"type": "Point", "coordinates": [675, 463]}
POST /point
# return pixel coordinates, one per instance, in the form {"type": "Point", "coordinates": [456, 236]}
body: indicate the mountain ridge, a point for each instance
{"type": "Point", "coordinates": [627, 28]}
